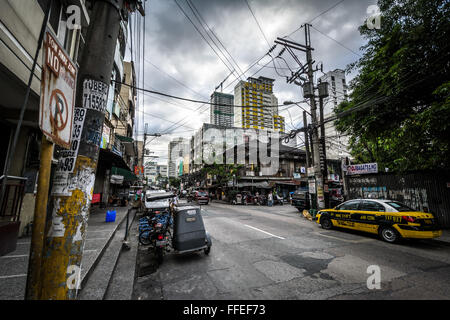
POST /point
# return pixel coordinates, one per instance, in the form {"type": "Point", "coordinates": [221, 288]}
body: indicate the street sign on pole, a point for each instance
{"type": "Point", "coordinates": [58, 83]}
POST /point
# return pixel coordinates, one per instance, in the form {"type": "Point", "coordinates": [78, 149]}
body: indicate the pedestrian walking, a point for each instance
{"type": "Point", "coordinates": [270, 199]}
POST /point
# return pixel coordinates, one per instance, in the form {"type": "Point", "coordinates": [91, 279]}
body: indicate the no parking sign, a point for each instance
{"type": "Point", "coordinates": [58, 83]}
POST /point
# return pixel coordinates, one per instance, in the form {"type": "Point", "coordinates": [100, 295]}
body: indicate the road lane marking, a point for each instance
{"type": "Point", "coordinates": [270, 234]}
{"type": "Point", "coordinates": [13, 276]}
{"type": "Point", "coordinates": [16, 256]}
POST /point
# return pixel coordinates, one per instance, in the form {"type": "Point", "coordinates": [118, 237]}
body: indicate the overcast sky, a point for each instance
{"type": "Point", "coordinates": [178, 61]}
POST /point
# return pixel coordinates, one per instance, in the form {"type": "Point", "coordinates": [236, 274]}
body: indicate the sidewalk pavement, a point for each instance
{"type": "Point", "coordinates": [14, 266]}
{"type": "Point", "coordinates": [445, 236]}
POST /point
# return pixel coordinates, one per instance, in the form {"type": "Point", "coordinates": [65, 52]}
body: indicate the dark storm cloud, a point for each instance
{"type": "Point", "coordinates": [174, 46]}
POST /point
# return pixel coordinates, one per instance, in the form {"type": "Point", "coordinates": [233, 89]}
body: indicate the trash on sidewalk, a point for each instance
{"type": "Point", "coordinates": [307, 215]}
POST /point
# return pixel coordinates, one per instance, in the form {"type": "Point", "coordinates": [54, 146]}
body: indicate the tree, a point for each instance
{"type": "Point", "coordinates": [404, 78]}
{"type": "Point", "coordinates": [222, 172]}
{"type": "Point", "coordinates": [174, 182]}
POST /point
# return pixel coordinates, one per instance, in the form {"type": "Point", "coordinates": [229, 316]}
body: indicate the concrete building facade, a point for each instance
{"type": "Point", "coordinates": [222, 111]}
{"type": "Point", "coordinates": [178, 150]}
{"type": "Point", "coordinates": [152, 170]}
{"type": "Point", "coordinates": [253, 100]}
{"type": "Point", "coordinates": [336, 142]}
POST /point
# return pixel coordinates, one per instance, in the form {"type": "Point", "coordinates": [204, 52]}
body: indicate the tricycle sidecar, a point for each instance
{"type": "Point", "coordinates": [189, 232]}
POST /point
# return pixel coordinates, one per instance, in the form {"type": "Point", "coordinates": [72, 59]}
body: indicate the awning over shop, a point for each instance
{"type": "Point", "coordinates": [127, 174]}
{"type": "Point", "coordinates": [109, 159]}
{"type": "Point", "coordinates": [128, 143]}
{"type": "Point", "coordinates": [288, 183]}
{"type": "Point", "coordinates": [124, 138]}
{"type": "Point", "coordinates": [263, 185]}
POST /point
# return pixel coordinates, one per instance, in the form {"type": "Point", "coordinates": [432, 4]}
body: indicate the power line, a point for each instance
{"type": "Point", "coordinates": [199, 17]}
{"type": "Point", "coordinates": [310, 21]}
{"type": "Point", "coordinates": [259, 26]}
{"type": "Point", "coordinates": [191, 100]}
{"type": "Point", "coordinates": [173, 78]}
{"type": "Point", "coordinates": [190, 20]}
{"type": "Point", "coordinates": [209, 36]}
{"type": "Point", "coordinates": [340, 43]}
{"type": "Point", "coordinates": [264, 35]}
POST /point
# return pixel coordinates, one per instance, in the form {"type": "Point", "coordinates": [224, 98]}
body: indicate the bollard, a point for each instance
{"type": "Point", "coordinates": [125, 244]}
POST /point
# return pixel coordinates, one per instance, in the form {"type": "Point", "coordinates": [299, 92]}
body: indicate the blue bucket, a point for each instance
{"type": "Point", "coordinates": [110, 216]}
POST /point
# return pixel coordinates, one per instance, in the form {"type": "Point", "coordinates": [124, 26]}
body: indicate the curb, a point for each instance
{"type": "Point", "coordinates": [100, 255]}
{"type": "Point", "coordinates": [133, 211]}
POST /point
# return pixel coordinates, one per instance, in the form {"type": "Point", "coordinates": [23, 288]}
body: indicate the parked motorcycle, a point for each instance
{"type": "Point", "coordinates": [262, 200]}
{"type": "Point", "coordinates": [278, 200]}
{"type": "Point", "coordinates": [155, 230]}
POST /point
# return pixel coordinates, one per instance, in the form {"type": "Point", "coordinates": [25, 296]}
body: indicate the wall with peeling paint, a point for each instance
{"type": "Point", "coordinates": [422, 191]}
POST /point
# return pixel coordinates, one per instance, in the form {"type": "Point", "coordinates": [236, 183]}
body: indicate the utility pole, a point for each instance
{"type": "Point", "coordinates": [143, 145]}
{"type": "Point", "coordinates": [323, 93]}
{"type": "Point", "coordinates": [145, 142]}
{"type": "Point", "coordinates": [315, 136]}
{"type": "Point", "coordinates": [65, 234]}
{"type": "Point", "coordinates": [308, 92]}
{"type": "Point", "coordinates": [305, 126]}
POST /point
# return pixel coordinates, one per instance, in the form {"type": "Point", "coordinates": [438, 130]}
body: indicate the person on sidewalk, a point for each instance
{"type": "Point", "coordinates": [270, 199]}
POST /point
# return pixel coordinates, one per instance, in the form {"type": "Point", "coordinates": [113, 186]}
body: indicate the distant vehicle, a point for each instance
{"type": "Point", "coordinates": [183, 193]}
{"type": "Point", "coordinates": [157, 200]}
{"type": "Point", "coordinates": [199, 196]}
{"type": "Point", "coordinates": [300, 200]}
{"type": "Point", "coordinates": [391, 220]}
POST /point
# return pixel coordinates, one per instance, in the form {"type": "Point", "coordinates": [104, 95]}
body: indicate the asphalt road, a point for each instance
{"type": "Point", "coordinates": [274, 253]}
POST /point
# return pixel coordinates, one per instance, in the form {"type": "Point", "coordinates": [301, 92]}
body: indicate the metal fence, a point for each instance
{"type": "Point", "coordinates": [424, 191]}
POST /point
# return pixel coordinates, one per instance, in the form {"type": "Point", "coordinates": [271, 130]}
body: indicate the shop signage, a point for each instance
{"type": "Point", "coordinates": [364, 168]}
{"type": "Point", "coordinates": [312, 186]}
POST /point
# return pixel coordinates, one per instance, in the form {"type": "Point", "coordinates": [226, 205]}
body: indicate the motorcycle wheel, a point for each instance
{"type": "Point", "coordinates": [144, 239]}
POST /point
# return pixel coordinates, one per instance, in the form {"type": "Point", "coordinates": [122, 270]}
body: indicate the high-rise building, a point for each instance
{"type": "Point", "coordinates": [178, 149]}
{"type": "Point", "coordinates": [253, 100]}
{"type": "Point", "coordinates": [222, 112]}
{"type": "Point", "coordinates": [152, 170]}
{"type": "Point", "coordinates": [336, 143]}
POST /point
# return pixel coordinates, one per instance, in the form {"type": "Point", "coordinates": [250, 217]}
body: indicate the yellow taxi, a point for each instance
{"type": "Point", "coordinates": [390, 219]}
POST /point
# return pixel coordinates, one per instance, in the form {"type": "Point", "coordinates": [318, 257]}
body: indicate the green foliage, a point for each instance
{"type": "Point", "coordinates": [222, 172]}
{"type": "Point", "coordinates": [174, 182]}
{"type": "Point", "coordinates": [407, 61]}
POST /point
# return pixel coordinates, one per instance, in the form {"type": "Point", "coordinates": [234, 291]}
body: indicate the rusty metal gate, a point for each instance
{"type": "Point", "coordinates": [423, 191]}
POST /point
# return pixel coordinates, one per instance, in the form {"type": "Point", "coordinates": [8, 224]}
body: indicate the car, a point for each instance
{"type": "Point", "coordinates": [300, 200]}
{"type": "Point", "coordinates": [201, 197]}
{"type": "Point", "coordinates": [156, 200]}
{"type": "Point", "coordinates": [391, 220]}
